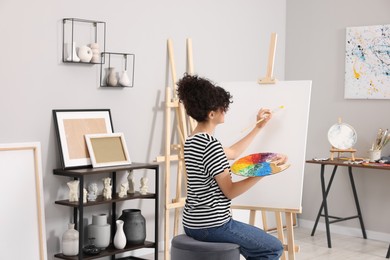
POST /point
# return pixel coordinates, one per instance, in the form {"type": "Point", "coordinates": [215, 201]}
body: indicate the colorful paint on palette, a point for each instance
{"type": "Point", "coordinates": [257, 165]}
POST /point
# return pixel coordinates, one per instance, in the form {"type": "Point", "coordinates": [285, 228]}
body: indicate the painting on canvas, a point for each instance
{"type": "Point", "coordinates": [367, 62]}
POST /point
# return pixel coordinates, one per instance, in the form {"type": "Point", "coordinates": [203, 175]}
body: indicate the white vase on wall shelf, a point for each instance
{"type": "Point", "coordinates": [73, 53]}
{"type": "Point", "coordinates": [124, 79]}
{"type": "Point", "coordinates": [112, 81]}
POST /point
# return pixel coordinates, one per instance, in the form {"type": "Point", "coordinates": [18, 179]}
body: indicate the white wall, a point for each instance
{"type": "Point", "coordinates": [230, 41]}
{"type": "Point", "coordinates": [315, 49]}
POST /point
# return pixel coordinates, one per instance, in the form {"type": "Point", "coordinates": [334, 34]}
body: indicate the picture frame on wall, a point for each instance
{"type": "Point", "coordinates": [71, 127]}
{"type": "Point", "coordinates": [367, 57]}
{"type": "Point", "coordinates": [107, 149]}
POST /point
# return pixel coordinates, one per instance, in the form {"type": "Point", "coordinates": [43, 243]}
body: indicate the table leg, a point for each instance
{"type": "Point", "coordinates": [388, 253]}
{"type": "Point", "coordinates": [325, 205]}
{"type": "Point", "coordinates": [326, 195]}
{"type": "Point", "coordinates": [357, 202]}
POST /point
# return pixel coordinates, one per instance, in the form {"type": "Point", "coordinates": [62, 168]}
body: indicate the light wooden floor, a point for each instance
{"type": "Point", "coordinates": [343, 247]}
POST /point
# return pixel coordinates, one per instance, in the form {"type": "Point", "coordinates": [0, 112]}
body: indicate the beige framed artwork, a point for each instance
{"type": "Point", "coordinates": [107, 149]}
{"type": "Point", "coordinates": [24, 218]}
{"type": "Point", "coordinates": [72, 126]}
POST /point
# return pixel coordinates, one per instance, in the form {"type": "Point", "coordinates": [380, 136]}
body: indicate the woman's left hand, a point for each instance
{"type": "Point", "coordinates": [280, 159]}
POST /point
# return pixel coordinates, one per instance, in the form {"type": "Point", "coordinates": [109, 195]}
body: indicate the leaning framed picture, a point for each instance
{"type": "Point", "coordinates": [107, 149]}
{"type": "Point", "coordinates": [71, 126]}
{"type": "Point", "coordinates": [22, 197]}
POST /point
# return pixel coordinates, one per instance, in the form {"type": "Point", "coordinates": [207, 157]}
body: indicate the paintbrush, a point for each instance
{"type": "Point", "coordinates": [378, 139]}
{"type": "Point", "coordinates": [383, 139]}
{"type": "Point", "coordinates": [263, 118]}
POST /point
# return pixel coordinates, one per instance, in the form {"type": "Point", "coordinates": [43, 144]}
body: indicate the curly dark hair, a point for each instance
{"type": "Point", "coordinates": [200, 96]}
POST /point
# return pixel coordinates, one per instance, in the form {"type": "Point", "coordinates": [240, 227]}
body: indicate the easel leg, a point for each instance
{"type": "Point", "coordinates": [178, 196]}
{"type": "Point", "coordinates": [264, 218]}
{"type": "Point", "coordinates": [279, 226]}
{"type": "Point", "coordinates": [290, 236]}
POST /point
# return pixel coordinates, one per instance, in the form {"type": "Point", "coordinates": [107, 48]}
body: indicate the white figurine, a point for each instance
{"type": "Point", "coordinates": [130, 180]}
{"type": "Point", "coordinates": [73, 188]}
{"type": "Point", "coordinates": [92, 191]}
{"type": "Point", "coordinates": [123, 190]}
{"type": "Point", "coordinates": [107, 194]}
{"type": "Point", "coordinates": [144, 186]}
{"type": "Point", "coordinates": [85, 192]}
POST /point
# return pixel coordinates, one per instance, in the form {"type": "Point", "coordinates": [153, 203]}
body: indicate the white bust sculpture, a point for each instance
{"type": "Point", "coordinates": [92, 191]}
{"type": "Point", "coordinates": [107, 190]}
{"type": "Point", "coordinates": [144, 186]}
{"type": "Point", "coordinates": [130, 180]}
{"type": "Point", "coordinates": [123, 190]}
{"type": "Point", "coordinates": [73, 188]}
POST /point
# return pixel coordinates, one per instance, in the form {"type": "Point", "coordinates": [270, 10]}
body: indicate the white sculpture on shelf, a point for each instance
{"type": "Point", "coordinates": [95, 52]}
{"type": "Point", "coordinates": [144, 186]}
{"type": "Point", "coordinates": [123, 190]}
{"type": "Point", "coordinates": [131, 185]}
{"type": "Point", "coordinates": [107, 190]}
{"type": "Point", "coordinates": [92, 191]}
{"type": "Point", "coordinates": [85, 193]}
{"type": "Point", "coordinates": [73, 188]}
{"type": "Point", "coordinates": [85, 53]}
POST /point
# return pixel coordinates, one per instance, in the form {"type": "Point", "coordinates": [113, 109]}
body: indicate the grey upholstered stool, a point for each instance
{"type": "Point", "coordinates": [187, 248]}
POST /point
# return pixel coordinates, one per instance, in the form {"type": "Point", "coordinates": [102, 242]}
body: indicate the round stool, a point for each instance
{"type": "Point", "coordinates": [187, 248]}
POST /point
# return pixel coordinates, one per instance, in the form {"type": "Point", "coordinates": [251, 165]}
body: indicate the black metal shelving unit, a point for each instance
{"type": "Point", "coordinates": [78, 207]}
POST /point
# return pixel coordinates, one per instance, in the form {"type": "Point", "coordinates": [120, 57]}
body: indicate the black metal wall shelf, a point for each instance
{"type": "Point", "coordinates": [109, 77]}
{"type": "Point", "coordinates": [70, 36]}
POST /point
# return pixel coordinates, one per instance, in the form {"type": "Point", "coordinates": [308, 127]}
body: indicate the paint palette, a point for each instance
{"type": "Point", "coordinates": [258, 165]}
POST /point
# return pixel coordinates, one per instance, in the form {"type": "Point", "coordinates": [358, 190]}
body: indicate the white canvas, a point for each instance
{"type": "Point", "coordinates": [285, 133]}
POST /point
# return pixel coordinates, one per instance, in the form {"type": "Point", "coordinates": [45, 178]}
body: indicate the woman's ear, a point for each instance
{"type": "Point", "coordinates": [211, 114]}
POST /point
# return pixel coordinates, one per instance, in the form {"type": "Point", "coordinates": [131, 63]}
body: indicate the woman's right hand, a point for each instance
{"type": "Point", "coordinates": [263, 116]}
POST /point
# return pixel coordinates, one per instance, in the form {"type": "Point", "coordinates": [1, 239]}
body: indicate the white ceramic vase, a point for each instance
{"type": "Point", "coordinates": [72, 53]}
{"type": "Point", "coordinates": [100, 230]}
{"type": "Point", "coordinates": [112, 81]}
{"type": "Point", "coordinates": [124, 79]}
{"type": "Point", "coordinates": [120, 237]}
{"type": "Point", "coordinates": [85, 53]}
{"type": "Point", "coordinates": [70, 241]}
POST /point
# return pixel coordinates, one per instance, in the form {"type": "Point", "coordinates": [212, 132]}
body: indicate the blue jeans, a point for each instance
{"type": "Point", "coordinates": [254, 242]}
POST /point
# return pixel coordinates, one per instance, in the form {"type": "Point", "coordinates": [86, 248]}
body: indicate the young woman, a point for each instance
{"type": "Point", "coordinates": [207, 214]}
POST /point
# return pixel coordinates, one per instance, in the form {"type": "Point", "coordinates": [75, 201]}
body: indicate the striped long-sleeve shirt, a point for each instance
{"type": "Point", "coordinates": [206, 205]}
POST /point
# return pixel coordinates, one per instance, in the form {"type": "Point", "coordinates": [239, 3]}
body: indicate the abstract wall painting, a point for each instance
{"type": "Point", "coordinates": [367, 62]}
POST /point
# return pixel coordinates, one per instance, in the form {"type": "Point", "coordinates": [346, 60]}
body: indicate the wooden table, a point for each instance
{"type": "Point", "coordinates": [325, 190]}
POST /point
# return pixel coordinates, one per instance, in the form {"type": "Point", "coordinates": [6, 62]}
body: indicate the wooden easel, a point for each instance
{"type": "Point", "coordinates": [269, 79]}
{"type": "Point", "coordinates": [290, 214]}
{"type": "Point", "coordinates": [174, 151]}
{"type": "Point", "coordinates": [289, 244]}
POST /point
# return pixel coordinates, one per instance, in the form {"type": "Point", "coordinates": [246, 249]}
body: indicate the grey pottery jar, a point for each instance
{"type": "Point", "coordinates": [134, 226]}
